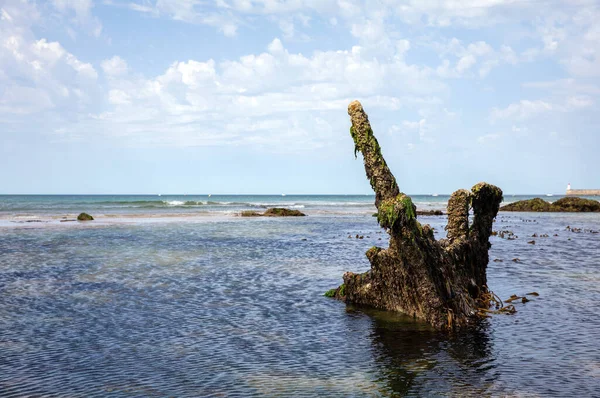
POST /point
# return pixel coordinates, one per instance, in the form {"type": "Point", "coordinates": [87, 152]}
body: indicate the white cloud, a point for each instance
{"type": "Point", "coordinates": [565, 87]}
{"type": "Point", "coordinates": [580, 101]}
{"type": "Point", "coordinates": [521, 110]}
{"type": "Point", "coordinates": [264, 99]}
{"type": "Point", "coordinates": [416, 131]}
{"type": "Point", "coordinates": [118, 97]}
{"type": "Point", "coordinates": [464, 63]}
{"type": "Point", "coordinates": [37, 74]}
{"type": "Point", "coordinates": [526, 109]}
{"type": "Point", "coordinates": [287, 28]}
{"type": "Point", "coordinates": [82, 10]}
{"type": "Point", "coordinates": [468, 56]}
{"type": "Point", "coordinates": [219, 16]}
{"type": "Point", "coordinates": [4, 15]}
{"type": "Point", "coordinates": [114, 66]}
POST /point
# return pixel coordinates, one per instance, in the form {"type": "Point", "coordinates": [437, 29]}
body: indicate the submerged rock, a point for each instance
{"type": "Point", "coordinates": [442, 282]}
{"type": "Point", "coordinates": [250, 213]}
{"type": "Point", "coordinates": [84, 217]}
{"type": "Point", "coordinates": [273, 212]}
{"type": "Point", "coordinates": [281, 212]}
{"type": "Point", "coordinates": [536, 204]}
{"type": "Point", "coordinates": [568, 204]}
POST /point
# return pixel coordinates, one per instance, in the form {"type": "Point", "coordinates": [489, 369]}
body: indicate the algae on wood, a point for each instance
{"type": "Point", "coordinates": [442, 282]}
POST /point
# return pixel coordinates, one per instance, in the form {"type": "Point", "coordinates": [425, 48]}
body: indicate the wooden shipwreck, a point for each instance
{"type": "Point", "coordinates": [440, 281]}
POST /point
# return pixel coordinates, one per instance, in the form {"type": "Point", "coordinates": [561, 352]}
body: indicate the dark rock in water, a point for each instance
{"type": "Point", "coordinates": [250, 213]}
{"type": "Point", "coordinates": [281, 212]}
{"type": "Point", "coordinates": [274, 212]}
{"type": "Point", "coordinates": [84, 217]}
{"type": "Point", "coordinates": [576, 205]}
{"type": "Point", "coordinates": [442, 282]}
{"type": "Point", "coordinates": [536, 204]}
{"type": "Point", "coordinates": [568, 204]}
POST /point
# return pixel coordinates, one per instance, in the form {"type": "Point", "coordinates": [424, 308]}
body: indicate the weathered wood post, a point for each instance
{"type": "Point", "coordinates": [442, 282]}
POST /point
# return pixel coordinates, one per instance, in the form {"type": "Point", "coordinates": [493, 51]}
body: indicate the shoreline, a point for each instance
{"type": "Point", "coordinates": [70, 219]}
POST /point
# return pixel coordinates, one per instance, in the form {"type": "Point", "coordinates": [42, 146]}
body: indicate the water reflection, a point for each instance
{"type": "Point", "coordinates": [414, 359]}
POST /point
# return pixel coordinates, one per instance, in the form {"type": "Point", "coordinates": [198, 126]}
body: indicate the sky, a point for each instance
{"type": "Point", "coordinates": [251, 96]}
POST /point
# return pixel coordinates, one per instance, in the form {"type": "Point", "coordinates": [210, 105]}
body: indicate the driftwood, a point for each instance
{"type": "Point", "coordinates": [442, 282]}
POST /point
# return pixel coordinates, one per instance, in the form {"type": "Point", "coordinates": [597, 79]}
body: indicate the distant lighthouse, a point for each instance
{"type": "Point", "coordinates": [568, 186]}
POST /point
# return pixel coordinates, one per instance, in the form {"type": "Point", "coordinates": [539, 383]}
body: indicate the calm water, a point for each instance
{"type": "Point", "coordinates": [228, 306]}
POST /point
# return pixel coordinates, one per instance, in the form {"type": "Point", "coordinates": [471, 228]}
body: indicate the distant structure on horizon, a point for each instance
{"type": "Point", "coordinates": [582, 192]}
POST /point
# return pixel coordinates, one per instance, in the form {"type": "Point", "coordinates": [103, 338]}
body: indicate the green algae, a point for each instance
{"type": "Point", "coordinates": [339, 292]}
{"type": "Point", "coordinates": [84, 217]}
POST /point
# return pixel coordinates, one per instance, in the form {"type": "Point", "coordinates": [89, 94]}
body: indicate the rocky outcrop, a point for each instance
{"type": "Point", "coordinates": [281, 212]}
{"type": "Point", "coordinates": [250, 213]}
{"type": "Point", "coordinates": [568, 204]}
{"type": "Point", "coordinates": [274, 212]}
{"type": "Point", "coordinates": [84, 217]}
{"type": "Point", "coordinates": [442, 282]}
{"type": "Point", "coordinates": [536, 204]}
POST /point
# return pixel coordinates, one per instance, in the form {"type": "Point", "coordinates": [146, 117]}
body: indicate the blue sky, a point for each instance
{"type": "Point", "coordinates": [250, 96]}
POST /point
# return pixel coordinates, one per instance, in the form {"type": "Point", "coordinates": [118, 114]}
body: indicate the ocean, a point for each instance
{"type": "Point", "coordinates": [177, 296]}
{"type": "Point", "coordinates": [53, 208]}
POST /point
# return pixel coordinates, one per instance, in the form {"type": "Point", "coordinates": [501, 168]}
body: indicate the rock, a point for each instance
{"type": "Point", "coordinates": [84, 217]}
{"type": "Point", "coordinates": [571, 204]}
{"type": "Point", "coordinates": [568, 204]}
{"type": "Point", "coordinates": [281, 212]}
{"type": "Point", "coordinates": [273, 212]}
{"type": "Point", "coordinates": [250, 213]}
{"type": "Point", "coordinates": [536, 204]}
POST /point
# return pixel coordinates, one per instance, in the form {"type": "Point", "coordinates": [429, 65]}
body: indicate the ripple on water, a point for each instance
{"type": "Point", "coordinates": [236, 309]}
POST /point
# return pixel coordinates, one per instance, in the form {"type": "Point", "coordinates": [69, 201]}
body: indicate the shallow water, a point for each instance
{"type": "Point", "coordinates": [234, 307]}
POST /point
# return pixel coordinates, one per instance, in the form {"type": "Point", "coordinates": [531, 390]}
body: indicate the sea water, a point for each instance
{"type": "Point", "coordinates": [150, 304]}
{"type": "Point", "coordinates": [15, 207]}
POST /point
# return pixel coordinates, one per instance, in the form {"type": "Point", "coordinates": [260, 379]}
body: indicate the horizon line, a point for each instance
{"type": "Point", "coordinates": [250, 194]}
